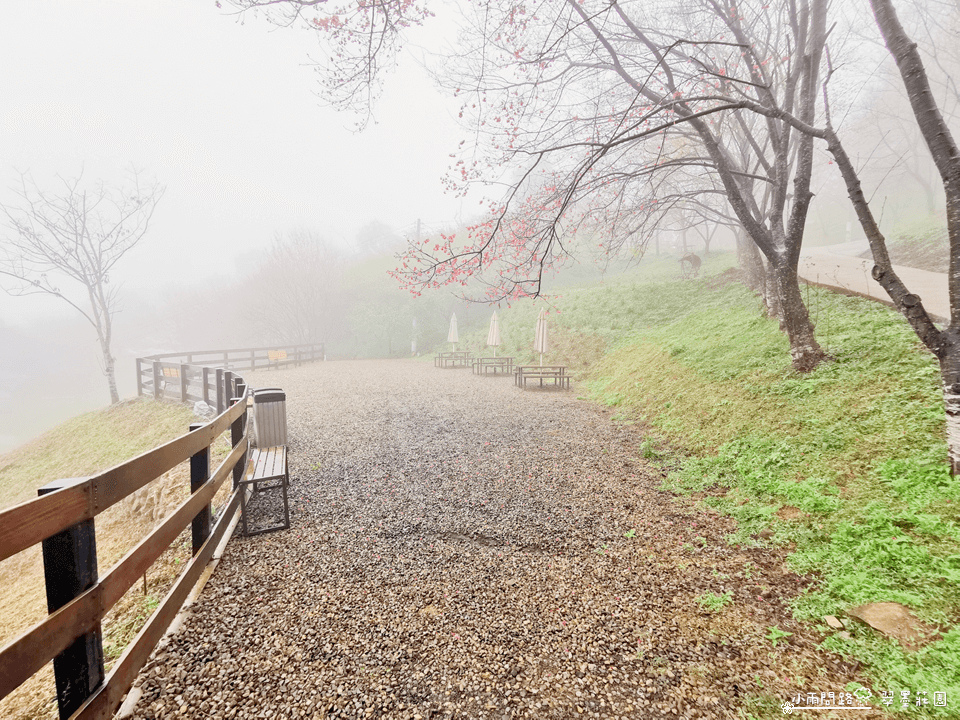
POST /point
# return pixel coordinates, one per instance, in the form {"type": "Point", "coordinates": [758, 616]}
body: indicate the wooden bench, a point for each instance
{"type": "Point", "coordinates": [171, 372]}
{"type": "Point", "coordinates": [557, 373]}
{"type": "Point", "coordinates": [453, 359]}
{"type": "Point", "coordinates": [266, 465]}
{"type": "Point", "coordinates": [275, 356]}
{"type": "Point", "coordinates": [485, 365]}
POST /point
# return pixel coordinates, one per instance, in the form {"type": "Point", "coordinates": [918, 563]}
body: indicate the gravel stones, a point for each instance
{"type": "Point", "coordinates": [459, 549]}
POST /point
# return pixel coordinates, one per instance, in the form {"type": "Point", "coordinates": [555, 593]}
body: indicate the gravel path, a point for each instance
{"type": "Point", "coordinates": [459, 549]}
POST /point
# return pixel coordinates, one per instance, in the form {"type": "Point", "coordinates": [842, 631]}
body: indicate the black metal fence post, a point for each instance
{"type": "Point", "coordinates": [199, 474]}
{"type": "Point", "coordinates": [70, 568]}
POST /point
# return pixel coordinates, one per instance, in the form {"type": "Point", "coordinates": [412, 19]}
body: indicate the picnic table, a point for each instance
{"type": "Point", "coordinates": [485, 365]}
{"type": "Point", "coordinates": [453, 359]}
{"type": "Point", "coordinates": [557, 373]}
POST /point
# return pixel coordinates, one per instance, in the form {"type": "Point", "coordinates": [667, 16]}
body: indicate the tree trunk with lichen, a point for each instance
{"type": "Point", "coordinates": [751, 263]}
{"type": "Point", "coordinates": [805, 351]}
{"type": "Point", "coordinates": [950, 378]}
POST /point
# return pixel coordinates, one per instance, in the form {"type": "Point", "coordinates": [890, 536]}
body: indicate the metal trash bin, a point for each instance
{"type": "Point", "coordinates": [270, 417]}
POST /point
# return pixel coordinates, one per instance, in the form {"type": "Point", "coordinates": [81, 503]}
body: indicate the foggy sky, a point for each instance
{"type": "Point", "coordinates": [224, 112]}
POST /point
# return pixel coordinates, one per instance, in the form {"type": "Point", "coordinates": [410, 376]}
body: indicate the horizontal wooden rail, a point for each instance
{"type": "Point", "coordinates": [105, 701]}
{"type": "Point", "coordinates": [194, 353]}
{"type": "Point", "coordinates": [28, 653]}
{"type": "Point", "coordinates": [32, 521]}
{"type": "Point", "coordinates": [198, 375]}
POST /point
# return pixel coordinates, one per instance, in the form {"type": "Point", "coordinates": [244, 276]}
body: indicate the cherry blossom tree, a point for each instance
{"type": "Point", "coordinates": [622, 98]}
{"type": "Point", "coordinates": [362, 40]}
{"type": "Point", "coordinates": [588, 111]}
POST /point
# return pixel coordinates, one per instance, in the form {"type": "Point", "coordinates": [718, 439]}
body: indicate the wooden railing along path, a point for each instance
{"type": "Point", "coordinates": [197, 375]}
{"type": "Point", "coordinates": [62, 519]}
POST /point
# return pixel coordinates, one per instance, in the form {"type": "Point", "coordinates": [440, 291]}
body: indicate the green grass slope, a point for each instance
{"type": "Point", "coordinates": [88, 444]}
{"type": "Point", "coordinates": [845, 467]}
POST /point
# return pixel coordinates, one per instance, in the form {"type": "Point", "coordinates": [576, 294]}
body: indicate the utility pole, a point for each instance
{"type": "Point", "coordinates": [413, 341]}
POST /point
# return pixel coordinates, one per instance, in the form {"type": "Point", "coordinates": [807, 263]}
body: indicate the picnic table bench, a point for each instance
{"type": "Point", "coordinates": [266, 465]}
{"type": "Point", "coordinates": [453, 359]}
{"type": "Point", "coordinates": [484, 365]}
{"type": "Point", "coordinates": [557, 373]}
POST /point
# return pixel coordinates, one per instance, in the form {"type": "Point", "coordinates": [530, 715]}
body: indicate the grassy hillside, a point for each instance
{"type": "Point", "coordinates": [89, 443]}
{"type": "Point", "coordinates": [85, 445]}
{"type": "Point", "coordinates": [844, 468]}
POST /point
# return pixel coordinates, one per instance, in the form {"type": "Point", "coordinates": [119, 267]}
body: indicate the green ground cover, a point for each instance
{"type": "Point", "coordinates": [845, 465]}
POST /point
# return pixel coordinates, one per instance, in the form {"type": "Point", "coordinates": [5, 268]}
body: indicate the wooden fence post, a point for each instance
{"type": "Point", "coordinates": [70, 568]}
{"type": "Point", "coordinates": [205, 379]}
{"type": "Point", "coordinates": [253, 359]}
{"type": "Point", "coordinates": [156, 379]}
{"type": "Point", "coordinates": [236, 434]}
{"type": "Point", "coordinates": [199, 474]}
{"type": "Point", "coordinates": [139, 379]}
{"type": "Point", "coordinates": [228, 390]}
{"type": "Point", "coordinates": [220, 393]}
{"type": "Point", "coordinates": [184, 369]}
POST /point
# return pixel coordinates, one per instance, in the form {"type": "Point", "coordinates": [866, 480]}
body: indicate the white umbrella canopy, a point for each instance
{"type": "Point", "coordinates": [540, 343]}
{"type": "Point", "coordinates": [452, 335]}
{"type": "Point", "coordinates": [493, 337]}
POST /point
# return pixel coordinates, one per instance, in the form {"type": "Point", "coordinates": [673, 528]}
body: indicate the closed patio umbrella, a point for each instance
{"type": "Point", "coordinates": [452, 335]}
{"type": "Point", "coordinates": [493, 337]}
{"type": "Point", "coordinates": [540, 343]}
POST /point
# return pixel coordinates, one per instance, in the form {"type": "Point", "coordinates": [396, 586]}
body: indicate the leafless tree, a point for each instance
{"type": "Point", "coordinates": [78, 235]}
{"type": "Point", "coordinates": [294, 291]}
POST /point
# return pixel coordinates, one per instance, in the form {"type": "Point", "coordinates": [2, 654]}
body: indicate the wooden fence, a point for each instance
{"type": "Point", "coordinates": [62, 520]}
{"type": "Point", "coordinates": [194, 376]}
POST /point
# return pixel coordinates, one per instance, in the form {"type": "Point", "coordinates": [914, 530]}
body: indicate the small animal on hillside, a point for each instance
{"type": "Point", "coordinates": [690, 265]}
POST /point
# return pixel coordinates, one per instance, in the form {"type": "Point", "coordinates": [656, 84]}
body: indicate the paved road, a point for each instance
{"type": "Point", "coordinates": [838, 266]}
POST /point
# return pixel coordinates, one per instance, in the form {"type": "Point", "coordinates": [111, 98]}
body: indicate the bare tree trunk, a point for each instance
{"type": "Point", "coordinates": [750, 262]}
{"type": "Point", "coordinates": [944, 344]}
{"type": "Point", "coordinates": [805, 351]}
{"type": "Point", "coordinates": [771, 296]}
{"type": "Point", "coordinates": [109, 369]}
{"type": "Point", "coordinates": [949, 358]}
